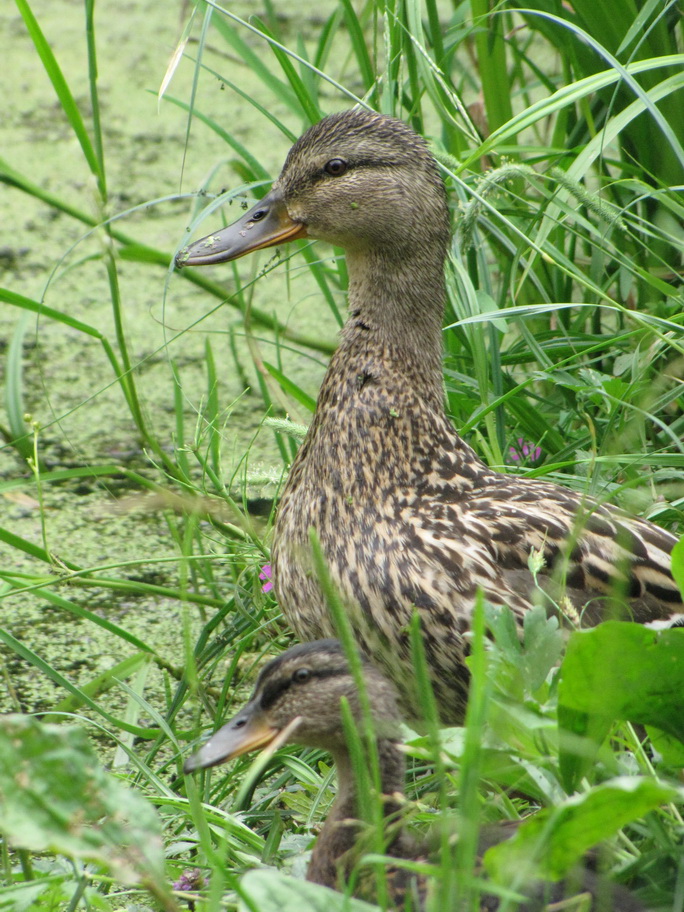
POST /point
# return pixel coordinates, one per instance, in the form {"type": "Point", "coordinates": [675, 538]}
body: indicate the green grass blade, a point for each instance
{"type": "Point", "coordinates": [494, 73]}
{"type": "Point", "coordinates": [308, 104]}
{"type": "Point", "coordinates": [45, 668]}
{"type": "Point", "coordinates": [359, 48]}
{"type": "Point", "coordinates": [61, 87]}
{"type": "Point", "coordinates": [291, 388]}
{"type": "Point", "coordinates": [254, 61]}
{"type": "Point", "coordinates": [22, 439]}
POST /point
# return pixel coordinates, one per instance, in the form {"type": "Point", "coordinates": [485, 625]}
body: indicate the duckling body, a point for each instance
{"type": "Point", "coordinates": [408, 516]}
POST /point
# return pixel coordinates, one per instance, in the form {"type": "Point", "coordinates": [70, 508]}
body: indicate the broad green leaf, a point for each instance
{"type": "Point", "coordinates": [27, 897]}
{"type": "Point", "coordinates": [505, 630]}
{"type": "Point", "coordinates": [549, 844]}
{"type": "Point", "coordinates": [671, 749]}
{"type": "Point", "coordinates": [625, 671]}
{"type": "Point", "coordinates": [56, 797]}
{"type": "Point", "coordinates": [270, 891]}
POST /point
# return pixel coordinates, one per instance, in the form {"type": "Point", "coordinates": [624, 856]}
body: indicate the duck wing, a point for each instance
{"type": "Point", "coordinates": [601, 559]}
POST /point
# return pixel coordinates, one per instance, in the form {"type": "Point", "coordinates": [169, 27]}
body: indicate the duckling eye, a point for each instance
{"type": "Point", "coordinates": [335, 167]}
{"type": "Point", "coordinates": [300, 675]}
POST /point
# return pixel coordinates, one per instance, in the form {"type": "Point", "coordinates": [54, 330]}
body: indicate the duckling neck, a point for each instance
{"type": "Point", "coordinates": [396, 302]}
{"type": "Point", "coordinates": [341, 828]}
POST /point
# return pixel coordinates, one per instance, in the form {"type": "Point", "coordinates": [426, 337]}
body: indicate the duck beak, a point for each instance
{"type": "Point", "coordinates": [265, 225]}
{"type": "Point", "coordinates": [245, 732]}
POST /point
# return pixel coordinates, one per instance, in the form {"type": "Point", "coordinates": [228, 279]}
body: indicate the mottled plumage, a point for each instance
{"type": "Point", "coordinates": [297, 699]}
{"type": "Point", "coordinates": [302, 690]}
{"type": "Point", "coordinates": [408, 515]}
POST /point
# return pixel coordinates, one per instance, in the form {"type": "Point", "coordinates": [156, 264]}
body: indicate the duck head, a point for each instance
{"type": "Point", "coordinates": [357, 179]}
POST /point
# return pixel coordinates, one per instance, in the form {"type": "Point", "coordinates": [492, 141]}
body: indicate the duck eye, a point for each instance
{"type": "Point", "coordinates": [300, 675]}
{"type": "Point", "coordinates": [335, 167]}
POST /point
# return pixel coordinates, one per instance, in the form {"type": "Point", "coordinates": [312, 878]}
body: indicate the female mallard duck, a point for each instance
{"type": "Point", "coordinates": [297, 699]}
{"type": "Point", "coordinates": [408, 516]}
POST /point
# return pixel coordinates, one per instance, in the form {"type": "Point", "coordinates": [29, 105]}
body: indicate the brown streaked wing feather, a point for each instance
{"type": "Point", "coordinates": [599, 550]}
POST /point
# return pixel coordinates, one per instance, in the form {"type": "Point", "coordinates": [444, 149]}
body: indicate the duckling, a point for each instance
{"type": "Point", "coordinates": [408, 517]}
{"type": "Point", "coordinates": [302, 688]}
{"type": "Point", "coordinates": [297, 700]}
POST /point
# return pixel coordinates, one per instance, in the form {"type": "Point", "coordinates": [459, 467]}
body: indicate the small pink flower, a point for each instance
{"type": "Point", "coordinates": [266, 575]}
{"type": "Point", "coordinates": [524, 451]}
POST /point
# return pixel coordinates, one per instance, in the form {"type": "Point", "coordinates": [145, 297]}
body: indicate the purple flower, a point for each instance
{"type": "Point", "coordinates": [266, 575]}
{"type": "Point", "coordinates": [524, 451]}
{"type": "Point", "coordinates": [190, 880]}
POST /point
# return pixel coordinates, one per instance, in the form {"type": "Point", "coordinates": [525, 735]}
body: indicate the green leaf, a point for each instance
{"type": "Point", "coordinates": [308, 104]}
{"type": "Point", "coordinates": [271, 891]}
{"type": "Point", "coordinates": [61, 87]}
{"type": "Point", "coordinates": [56, 797]}
{"type": "Point", "coordinates": [543, 646]}
{"type": "Point", "coordinates": [502, 623]}
{"type": "Point", "coordinates": [580, 737]}
{"type": "Point", "coordinates": [522, 666]}
{"type": "Point", "coordinates": [101, 683]}
{"type": "Point", "coordinates": [625, 671]}
{"type": "Point", "coordinates": [290, 387]}
{"type": "Point", "coordinates": [671, 749]}
{"type": "Point", "coordinates": [494, 73]}
{"type": "Point", "coordinates": [678, 564]}
{"type": "Point", "coordinates": [549, 844]}
{"type": "Point", "coordinates": [28, 897]}
{"type": "Point", "coordinates": [358, 42]}
{"type": "Point", "coordinates": [14, 390]}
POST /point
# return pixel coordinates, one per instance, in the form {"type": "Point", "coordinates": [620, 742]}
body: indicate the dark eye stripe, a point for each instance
{"type": "Point", "coordinates": [272, 691]}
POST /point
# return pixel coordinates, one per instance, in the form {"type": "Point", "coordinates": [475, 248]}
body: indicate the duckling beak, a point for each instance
{"type": "Point", "coordinates": [245, 732]}
{"type": "Point", "coordinates": [265, 225]}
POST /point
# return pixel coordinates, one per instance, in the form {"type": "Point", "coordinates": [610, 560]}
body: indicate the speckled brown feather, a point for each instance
{"type": "Point", "coordinates": [407, 514]}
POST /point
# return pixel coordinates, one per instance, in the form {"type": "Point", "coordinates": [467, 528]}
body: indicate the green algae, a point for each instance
{"type": "Point", "coordinates": [69, 388]}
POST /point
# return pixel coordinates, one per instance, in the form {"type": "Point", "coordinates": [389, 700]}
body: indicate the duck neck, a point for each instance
{"type": "Point", "coordinates": [396, 302]}
{"type": "Point", "coordinates": [341, 828]}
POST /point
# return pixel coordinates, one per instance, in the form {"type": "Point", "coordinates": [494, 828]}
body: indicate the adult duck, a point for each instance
{"type": "Point", "coordinates": [408, 516]}
{"type": "Point", "coordinates": [297, 699]}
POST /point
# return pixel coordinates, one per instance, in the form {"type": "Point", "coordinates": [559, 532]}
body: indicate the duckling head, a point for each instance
{"type": "Point", "coordinates": [298, 697]}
